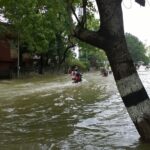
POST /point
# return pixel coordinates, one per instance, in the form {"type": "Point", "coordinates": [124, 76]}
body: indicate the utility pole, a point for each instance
{"type": "Point", "coordinates": [18, 51]}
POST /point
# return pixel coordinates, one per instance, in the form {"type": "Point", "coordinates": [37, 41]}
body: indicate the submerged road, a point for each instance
{"type": "Point", "coordinates": [56, 114]}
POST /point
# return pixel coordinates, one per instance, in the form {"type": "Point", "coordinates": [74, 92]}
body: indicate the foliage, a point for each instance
{"type": "Point", "coordinates": [36, 21]}
{"type": "Point", "coordinates": [43, 26]}
{"type": "Point", "coordinates": [89, 55]}
{"type": "Point", "coordinates": [136, 48]}
{"type": "Point", "coordinates": [148, 53]}
{"type": "Point", "coordinates": [92, 55]}
{"type": "Point", "coordinates": [76, 62]}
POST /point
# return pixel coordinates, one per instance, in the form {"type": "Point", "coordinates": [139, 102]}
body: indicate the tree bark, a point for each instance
{"type": "Point", "coordinates": [111, 39]}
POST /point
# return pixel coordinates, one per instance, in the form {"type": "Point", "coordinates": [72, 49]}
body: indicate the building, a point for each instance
{"type": "Point", "coordinates": [8, 55]}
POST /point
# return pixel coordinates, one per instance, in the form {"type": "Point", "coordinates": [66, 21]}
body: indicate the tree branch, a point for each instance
{"type": "Point", "coordinates": [83, 21]}
{"type": "Point", "coordinates": [85, 35]}
{"type": "Point", "coordinates": [65, 52]}
{"type": "Point", "coordinates": [74, 13]}
{"type": "Point", "coordinates": [90, 37]}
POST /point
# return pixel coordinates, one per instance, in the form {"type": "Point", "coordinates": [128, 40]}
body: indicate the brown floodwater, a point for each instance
{"type": "Point", "coordinates": [56, 114]}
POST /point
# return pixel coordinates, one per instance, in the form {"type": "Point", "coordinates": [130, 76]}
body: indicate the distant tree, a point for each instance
{"type": "Point", "coordinates": [92, 56]}
{"type": "Point", "coordinates": [136, 48]}
{"type": "Point", "coordinates": [148, 53]}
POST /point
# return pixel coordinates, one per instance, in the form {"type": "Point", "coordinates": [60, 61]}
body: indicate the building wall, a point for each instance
{"type": "Point", "coordinates": [5, 59]}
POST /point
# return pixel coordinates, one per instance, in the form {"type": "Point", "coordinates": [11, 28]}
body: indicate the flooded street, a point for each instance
{"type": "Point", "coordinates": [55, 114]}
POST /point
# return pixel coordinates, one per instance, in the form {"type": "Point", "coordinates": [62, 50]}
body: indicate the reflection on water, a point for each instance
{"type": "Point", "coordinates": [64, 116]}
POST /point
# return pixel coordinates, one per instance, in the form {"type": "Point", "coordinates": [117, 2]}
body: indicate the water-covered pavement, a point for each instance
{"type": "Point", "coordinates": [60, 115]}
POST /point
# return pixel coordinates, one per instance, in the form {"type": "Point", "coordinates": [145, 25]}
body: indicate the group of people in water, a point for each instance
{"type": "Point", "coordinates": [76, 76]}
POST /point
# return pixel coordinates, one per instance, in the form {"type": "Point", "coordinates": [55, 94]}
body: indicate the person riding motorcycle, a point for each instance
{"type": "Point", "coordinates": [76, 76]}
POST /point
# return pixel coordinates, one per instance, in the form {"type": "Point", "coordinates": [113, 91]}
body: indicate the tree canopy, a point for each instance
{"type": "Point", "coordinates": [136, 48]}
{"type": "Point", "coordinates": [36, 21]}
{"type": "Point", "coordinates": [46, 26]}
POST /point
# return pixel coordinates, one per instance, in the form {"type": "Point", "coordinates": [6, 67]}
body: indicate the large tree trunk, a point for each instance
{"type": "Point", "coordinates": [111, 39]}
{"type": "Point", "coordinates": [130, 87]}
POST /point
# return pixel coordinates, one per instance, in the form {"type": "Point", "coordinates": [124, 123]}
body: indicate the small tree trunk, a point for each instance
{"type": "Point", "coordinates": [40, 70]}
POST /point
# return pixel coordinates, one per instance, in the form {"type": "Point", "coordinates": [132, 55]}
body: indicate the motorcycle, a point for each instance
{"type": "Point", "coordinates": [77, 78]}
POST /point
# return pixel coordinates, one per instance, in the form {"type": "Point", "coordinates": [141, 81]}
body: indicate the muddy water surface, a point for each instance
{"type": "Point", "coordinates": [56, 114]}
